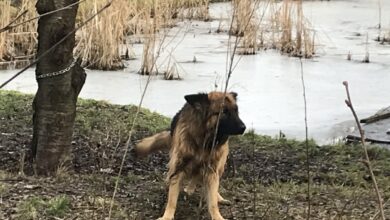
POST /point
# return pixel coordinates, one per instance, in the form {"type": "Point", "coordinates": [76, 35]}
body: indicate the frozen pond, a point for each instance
{"type": "Point", "coordinates": [268, 84]}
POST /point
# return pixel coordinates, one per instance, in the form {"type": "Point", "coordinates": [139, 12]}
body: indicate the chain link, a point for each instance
{"type": "Point", "coordinates": [58, 73]}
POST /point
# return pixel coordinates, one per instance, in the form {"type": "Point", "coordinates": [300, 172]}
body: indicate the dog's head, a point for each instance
{"type": "Point", "coordinates": [217, 105]}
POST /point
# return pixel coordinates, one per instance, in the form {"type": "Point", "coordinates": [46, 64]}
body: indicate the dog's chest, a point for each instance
{"type": "Point", "coordinates": [204, 162]}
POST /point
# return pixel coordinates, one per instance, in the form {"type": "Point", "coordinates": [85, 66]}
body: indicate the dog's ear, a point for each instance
{"type": "Point", "coordinates": [197, 100]}
{"type": "Point", "coordinates": [234, 94]}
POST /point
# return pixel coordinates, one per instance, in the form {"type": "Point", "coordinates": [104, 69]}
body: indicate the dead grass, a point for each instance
{"type": "Point", "coordinates": [269, 168]}
{"type": "Point", "coordinates": [273, 25]}
{"type": "Point", "coordinates": [296, 38]}
{"type": "Point", "coordinates": [99, 43]}
{"type": "Point", "coordinates": [245, 25]}
{"type": "Point", "coordinates": [384, 37]}
{"type": "Point", "coordinates": [103, 42]}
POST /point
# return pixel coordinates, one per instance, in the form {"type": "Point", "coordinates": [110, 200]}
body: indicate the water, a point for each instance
{"type": "Point", "coordinates": [268, 84]}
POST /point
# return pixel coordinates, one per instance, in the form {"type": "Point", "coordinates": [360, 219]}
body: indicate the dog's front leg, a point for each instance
{"type": "Point", "coordinates": [173, 194]}
{"type": "Point", "coordinates": [212, 196]}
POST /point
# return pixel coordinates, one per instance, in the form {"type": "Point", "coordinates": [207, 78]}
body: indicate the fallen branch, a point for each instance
{"type": "Point", "coordinates": [375, 118]}
{"type": "Point", "coordinates": [353, 138]}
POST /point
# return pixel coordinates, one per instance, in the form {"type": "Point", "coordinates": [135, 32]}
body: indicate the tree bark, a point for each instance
{"type": "Point", "coordinates": [54, 104]}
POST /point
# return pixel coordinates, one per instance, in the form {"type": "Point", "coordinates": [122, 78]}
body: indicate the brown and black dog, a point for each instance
{"type": "Point", "coordinates": [197, 156]}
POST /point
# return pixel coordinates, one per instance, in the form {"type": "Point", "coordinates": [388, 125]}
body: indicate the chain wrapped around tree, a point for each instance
{"type": "Point", "coordinates": [54, 104]}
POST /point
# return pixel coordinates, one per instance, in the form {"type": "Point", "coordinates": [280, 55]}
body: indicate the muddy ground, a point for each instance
{"type": "Point", "coordinates": [265, 177]}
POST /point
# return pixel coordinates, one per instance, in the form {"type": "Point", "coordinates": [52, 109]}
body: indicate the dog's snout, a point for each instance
{"type": "Point", "coordinates": [242, 128]}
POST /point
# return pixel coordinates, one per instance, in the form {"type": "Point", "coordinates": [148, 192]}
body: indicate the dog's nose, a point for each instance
{"type": "Point", "coordinates": [242, 128]}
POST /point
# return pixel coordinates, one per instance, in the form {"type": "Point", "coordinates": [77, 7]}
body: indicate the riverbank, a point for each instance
{"type": "Point", "coordinates": [265, 177]}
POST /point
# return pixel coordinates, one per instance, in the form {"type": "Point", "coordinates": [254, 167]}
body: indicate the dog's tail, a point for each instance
{"type": "Point", "coordinates": [159, 141]}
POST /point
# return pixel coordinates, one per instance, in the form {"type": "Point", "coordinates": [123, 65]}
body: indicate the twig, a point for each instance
{"type": "Point", "coordinates": [255, 177]}
{"type": "Point", "coordinates": [377, 213]}
{"type": "Point", "coordinates": [56, 45]}
{"type": "Point", "coordinates": [306, 144]}
{"type": "Point", "coordinates": [133, 124]}
{"type": "Point", "coordinates": [9, 26]}
{"type": "Point", "coordinates": [348, 101]}
{"type": "Point", "coordinates": [230, 66]}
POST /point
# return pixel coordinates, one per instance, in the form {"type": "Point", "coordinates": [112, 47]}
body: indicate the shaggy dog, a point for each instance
{"type": "Point", "coordinates": [198, 144]}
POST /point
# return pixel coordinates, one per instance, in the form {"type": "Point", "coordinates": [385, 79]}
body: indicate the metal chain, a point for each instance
{"type": "Point", "coordinates": [58, 73]}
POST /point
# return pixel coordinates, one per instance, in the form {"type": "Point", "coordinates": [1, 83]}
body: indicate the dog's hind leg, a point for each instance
{"type": "Point", "coordinates": [173, 194]}
{"type": "Point", "coordinates": [212, 196]}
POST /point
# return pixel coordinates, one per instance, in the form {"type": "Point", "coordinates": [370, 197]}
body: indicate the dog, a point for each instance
{"type": "Point", "coordinates": [198, 145]}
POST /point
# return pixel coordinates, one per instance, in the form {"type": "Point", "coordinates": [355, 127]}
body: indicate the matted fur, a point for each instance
{"type": "Point", "coordinates": [194, 160]}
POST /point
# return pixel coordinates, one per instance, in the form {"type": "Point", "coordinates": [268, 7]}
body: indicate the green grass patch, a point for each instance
{"type": "Point", "coordinates": [264, 177]}
{"type": "Point", "coordinates": [37, 207]}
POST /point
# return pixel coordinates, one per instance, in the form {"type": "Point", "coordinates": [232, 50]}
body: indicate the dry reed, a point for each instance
{"type": "Point", "coordinates": [18, 45]}
{"type": "Point", "coordinates": [300, 44]}
{"type": "Point", "coordinates": [284, 28]}
{"type": "Point", "coordinates": [245, 25]}
{"type": "Point", "coordinates": [101, 44]}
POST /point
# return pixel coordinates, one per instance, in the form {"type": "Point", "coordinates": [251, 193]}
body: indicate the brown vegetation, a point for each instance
{"type": "Point", "coordinates": [18, 45]}
{"type": "Point", "coordinates": [272, 24]}
{"type": "Point", "coordinates": [101, 43]}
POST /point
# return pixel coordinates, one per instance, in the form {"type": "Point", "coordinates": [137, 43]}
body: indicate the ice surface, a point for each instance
{"type": "Point", "coordinates": [268, 84]}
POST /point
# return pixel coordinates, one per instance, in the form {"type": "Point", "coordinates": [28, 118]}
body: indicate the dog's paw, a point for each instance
{"type": "Point", "coordinates": [225, 202]}
{"type": "Point", "coordinates": [163, 218]}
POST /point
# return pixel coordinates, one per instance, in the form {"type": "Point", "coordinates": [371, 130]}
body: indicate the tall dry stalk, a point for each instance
{"type": "Point", "coordinates": [150, 36]}
{"type": "Point", "coordinates": [379, 14]}
{"type": "Point", "coordinates": [367, 53]}
{"type": "Point", "coordinates": [306, 144]}
{"type": "Point", "coordinates": [367, 161]}
{"type": "Point", "coordinates": [130, 134]}
{"type": "Point", "coordinates": [286, 27]}
{"type": "Point", "coordinates": [246, 25]}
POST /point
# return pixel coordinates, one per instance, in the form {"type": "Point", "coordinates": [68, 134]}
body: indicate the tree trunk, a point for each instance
{"type": "Point", "coordinates": [55, 101]}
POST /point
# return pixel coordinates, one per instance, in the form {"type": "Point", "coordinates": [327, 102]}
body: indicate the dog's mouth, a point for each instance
{"type": "Point", "coordinates": [232, 130]}
{"type": "Point", "coordinates": [240, 129]}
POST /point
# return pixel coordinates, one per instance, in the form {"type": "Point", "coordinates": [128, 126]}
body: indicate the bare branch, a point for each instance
{"type": "Point", "coordinates": [367, 162]}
